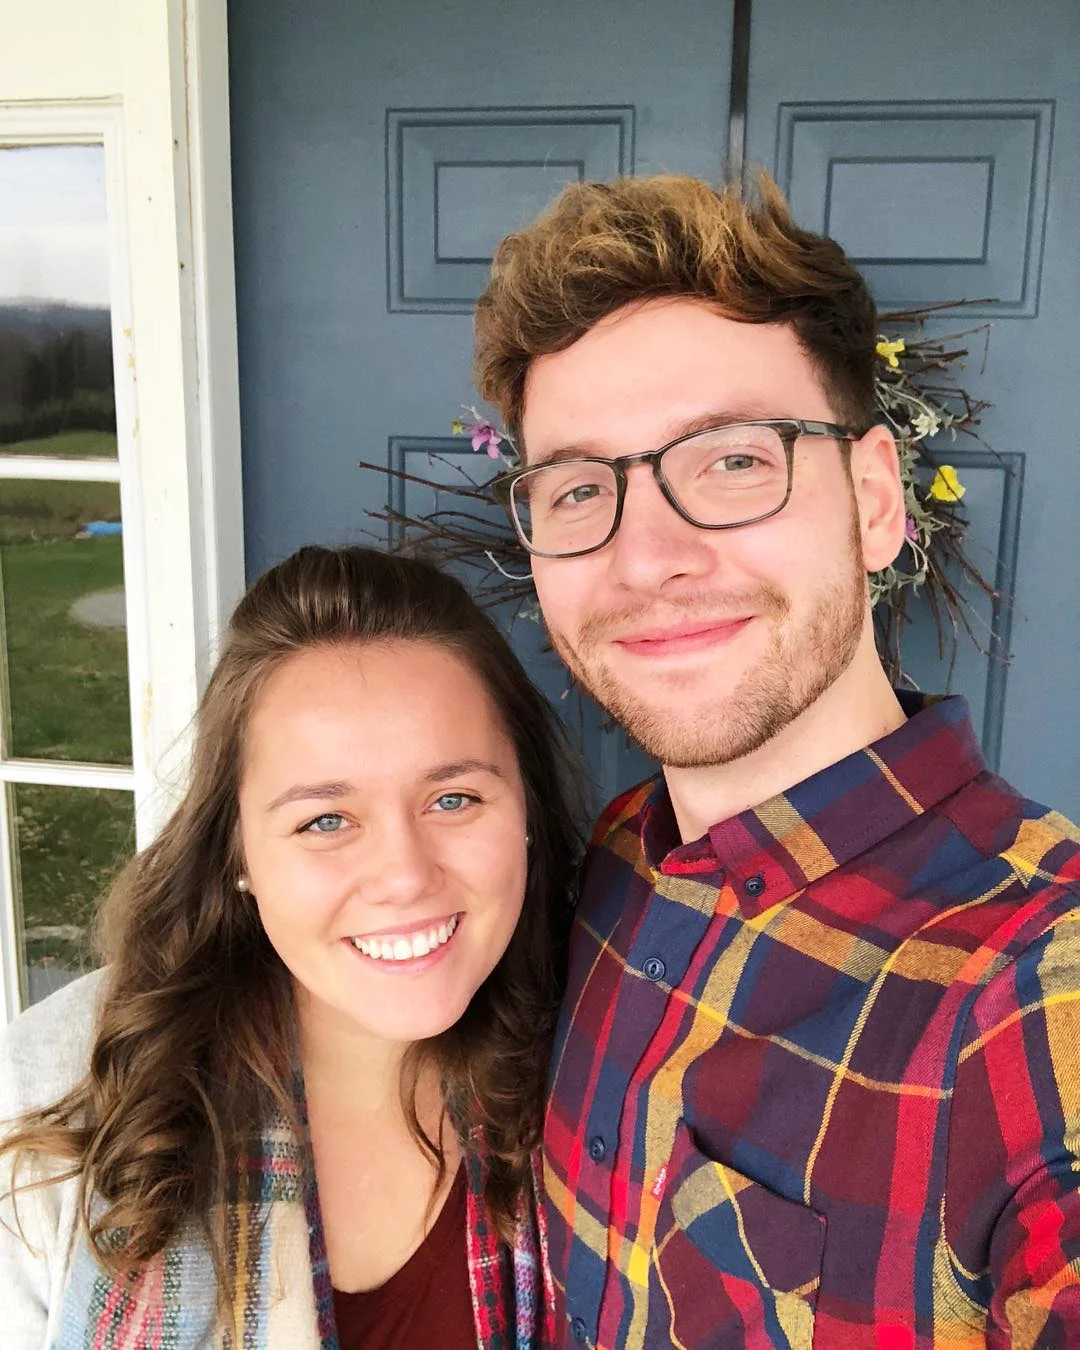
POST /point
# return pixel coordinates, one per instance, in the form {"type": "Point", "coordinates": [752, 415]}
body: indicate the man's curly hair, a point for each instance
{"type": "Point", "coordinates": [602, 246]}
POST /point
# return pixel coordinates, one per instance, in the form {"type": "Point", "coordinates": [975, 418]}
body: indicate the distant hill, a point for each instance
{"type": "Point", "coordinates": [39, 320]}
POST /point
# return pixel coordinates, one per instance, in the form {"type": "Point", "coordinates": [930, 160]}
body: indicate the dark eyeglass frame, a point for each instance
{"type": "Point", "coordinates": [789, 429]}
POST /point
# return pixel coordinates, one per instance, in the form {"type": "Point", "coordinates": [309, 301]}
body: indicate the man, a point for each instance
{"type": "Point", "coordinates": [818, 1078]}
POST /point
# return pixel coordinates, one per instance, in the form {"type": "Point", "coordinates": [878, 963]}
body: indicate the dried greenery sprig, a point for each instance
{"type": "Point", "coordinates": [463, 529]}
{"type": "Point", "coordinates": [920, 398]}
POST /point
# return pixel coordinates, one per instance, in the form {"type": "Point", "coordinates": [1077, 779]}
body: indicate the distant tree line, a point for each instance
{"type": "Point", "coordinates": [56, 371]}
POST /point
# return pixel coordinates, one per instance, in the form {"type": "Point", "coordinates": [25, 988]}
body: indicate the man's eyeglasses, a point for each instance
{"type": "Point", "coordinates": [716, 479]}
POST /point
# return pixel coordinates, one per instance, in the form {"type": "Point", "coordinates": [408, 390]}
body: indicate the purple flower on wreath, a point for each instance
{"type": "Point", "coordinates": [911, 530]}
{"type": "Point", "coordinates": [484, 434]}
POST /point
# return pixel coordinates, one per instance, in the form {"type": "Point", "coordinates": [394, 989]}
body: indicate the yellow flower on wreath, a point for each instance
{"type": "Point", "coordinates": [890, 351]}
{"type": "Point", "coordinates": [947, 486]}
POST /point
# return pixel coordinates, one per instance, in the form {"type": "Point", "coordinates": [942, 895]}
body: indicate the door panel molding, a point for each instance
{"type": "Point", "coordinates": [993, 501]}
{"type": "Point", "coordinates": [441, 163]}
{"type": "Point", "coordinates": [982, 172]}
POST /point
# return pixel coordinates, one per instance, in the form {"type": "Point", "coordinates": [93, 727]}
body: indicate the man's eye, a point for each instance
{"type": "Point", "coordinates": [328, 823]}
{"type": "Point", "coordinates": [576, 496]}
{"type": "Point", "coordinates": [736, 463]}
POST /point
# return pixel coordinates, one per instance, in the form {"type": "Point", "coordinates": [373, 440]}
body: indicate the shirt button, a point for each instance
{"type": "Point", "coordinates": [578, 1329]}
{"type": "Point", "coordinates": [755, 885]}
{"type": "Point", "coordinates": [597, 1148]}
{"type": "Point", "coordinates": [654, 969]}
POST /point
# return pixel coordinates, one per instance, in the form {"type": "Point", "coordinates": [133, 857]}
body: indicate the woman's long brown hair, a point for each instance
{"type": "Point", "coordinates": [195, 1038]}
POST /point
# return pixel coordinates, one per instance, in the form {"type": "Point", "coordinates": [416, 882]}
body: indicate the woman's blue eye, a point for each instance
{"type": "Point", "coordinates": [453, 801]}
{"type": "Point", "coordinates": [329, 823]}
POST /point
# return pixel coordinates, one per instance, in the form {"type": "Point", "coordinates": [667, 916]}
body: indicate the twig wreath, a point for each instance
{"type": "Point", "coordinates": [918, 397]}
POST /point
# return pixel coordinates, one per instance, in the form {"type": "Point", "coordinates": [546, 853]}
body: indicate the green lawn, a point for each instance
{"type": "Point", "coordinates": [67, 696]}
{"type": "Point", "coordinates": [67, 682]}
{"type": "Point", "coordinates": [70, 843]}
{"type": "Point", "coordinates": [68, 444]}
{"type": "Point", "coordinates": [35, 509]}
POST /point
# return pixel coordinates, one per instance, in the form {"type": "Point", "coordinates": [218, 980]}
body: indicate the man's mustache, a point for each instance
{"type": "Point", "coordinates": [707, 609]}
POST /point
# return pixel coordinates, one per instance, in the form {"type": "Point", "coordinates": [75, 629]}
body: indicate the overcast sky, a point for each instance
{"type": "Point", "coordinates": [53, 241]}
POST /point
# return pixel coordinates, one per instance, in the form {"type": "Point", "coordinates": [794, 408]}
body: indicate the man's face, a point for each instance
{"type": "Point", "coordinates": [703, 644]}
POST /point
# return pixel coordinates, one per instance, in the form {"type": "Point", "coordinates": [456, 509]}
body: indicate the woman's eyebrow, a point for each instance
{"type": "Point", "coordinates": [339, 787]}
{"type": "Point", "coordinates": [304, 791]}
{"type": "Point", "coordinates": [459, 766]}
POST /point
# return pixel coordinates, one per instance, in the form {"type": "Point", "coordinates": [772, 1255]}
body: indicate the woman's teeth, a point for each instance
{"type": "Point", "coordinates": [407, 948]}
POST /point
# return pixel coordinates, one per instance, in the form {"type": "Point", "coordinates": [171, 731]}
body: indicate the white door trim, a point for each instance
{"type": "Point", "coordinates": [218, 512]}
{"type": "Point", "coordinates": [151, 84]}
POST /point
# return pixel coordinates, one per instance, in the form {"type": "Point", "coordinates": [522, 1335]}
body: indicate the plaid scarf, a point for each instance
{"type": "Point", "coordinates": [283, 1299]}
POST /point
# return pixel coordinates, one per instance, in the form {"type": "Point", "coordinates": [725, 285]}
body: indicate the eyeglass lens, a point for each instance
{"type": "Point", "coordinates": [719, 477]}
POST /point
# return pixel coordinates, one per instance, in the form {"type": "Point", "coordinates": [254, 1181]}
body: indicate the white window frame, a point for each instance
{"type": "Point", "coordinates": [165, 135]}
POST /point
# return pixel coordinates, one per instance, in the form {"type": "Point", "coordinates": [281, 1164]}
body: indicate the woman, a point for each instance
{"type": "Point", "coordinates": [300, 1108]}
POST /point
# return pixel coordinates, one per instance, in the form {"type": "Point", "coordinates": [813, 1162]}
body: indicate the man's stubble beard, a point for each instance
{"type": "Point", "coordinates": [795, 671]}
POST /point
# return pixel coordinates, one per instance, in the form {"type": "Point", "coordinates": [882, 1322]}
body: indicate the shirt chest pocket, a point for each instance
{"type": "Point", "coordinates": [733, 1263]}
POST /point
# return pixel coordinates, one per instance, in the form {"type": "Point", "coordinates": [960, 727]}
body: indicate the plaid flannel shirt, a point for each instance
{"type": "Point", "coordinates": [818, 1078]}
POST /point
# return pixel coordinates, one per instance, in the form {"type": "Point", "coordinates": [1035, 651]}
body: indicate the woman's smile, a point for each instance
{"type": "Point", "coordinates": [397, 949]}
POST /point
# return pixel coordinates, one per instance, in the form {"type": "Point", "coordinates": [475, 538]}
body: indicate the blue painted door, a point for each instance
{"type": "Point", "coordinates": [941, 145]}
{"type": "Point", "coordinates": [379, 153]}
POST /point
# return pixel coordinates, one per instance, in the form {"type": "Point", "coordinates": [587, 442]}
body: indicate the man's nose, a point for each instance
{"type": "Point", "coordinates": [654, 544]}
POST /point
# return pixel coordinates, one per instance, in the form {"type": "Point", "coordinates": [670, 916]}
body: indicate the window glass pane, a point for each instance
{"type": "Point", "coordinates": [63, 638]}
{"type": "Point", "coordinates": [69, 843]}
{"type": "Point", "coordinates": [56, 365]}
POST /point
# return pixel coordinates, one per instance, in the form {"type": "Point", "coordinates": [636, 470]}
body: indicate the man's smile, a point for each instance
{"type": "Point", "coordinates": [682, 638]}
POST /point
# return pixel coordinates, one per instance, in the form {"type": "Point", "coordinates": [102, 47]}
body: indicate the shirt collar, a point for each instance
{"type": "Point", "coordinates": [775, 849]}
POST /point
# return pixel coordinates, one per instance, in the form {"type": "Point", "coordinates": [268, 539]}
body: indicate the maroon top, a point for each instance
{"type": "Point", "coordinates": [427, 1302]}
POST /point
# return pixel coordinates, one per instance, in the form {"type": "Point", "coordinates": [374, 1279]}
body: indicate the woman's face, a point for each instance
{"type": "Point", "coordinates": [382, 817]}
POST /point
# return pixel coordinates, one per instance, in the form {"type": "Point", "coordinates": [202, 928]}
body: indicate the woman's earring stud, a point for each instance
{"type": "Point", "coordinates": [242, 884]}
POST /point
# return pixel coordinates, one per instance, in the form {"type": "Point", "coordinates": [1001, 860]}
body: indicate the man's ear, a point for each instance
{"type": "Point", "coordinates": [879, 496]}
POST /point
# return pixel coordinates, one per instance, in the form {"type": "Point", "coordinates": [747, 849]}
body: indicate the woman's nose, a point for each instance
{"type": "Point", "coordinates": [397, 863]}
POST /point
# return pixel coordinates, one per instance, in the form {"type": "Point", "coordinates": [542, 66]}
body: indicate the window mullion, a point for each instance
{"type": "Point", "coordinates": [11, 963]}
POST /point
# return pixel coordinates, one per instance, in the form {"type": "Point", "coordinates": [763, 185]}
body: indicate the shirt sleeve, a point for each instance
{"type": "Point", "coordinates": [1012, 1214]}
{"type": "Point", "coordinates": [43, 1054]}
{"type": "Point", "coordinates": [29, 1240]}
